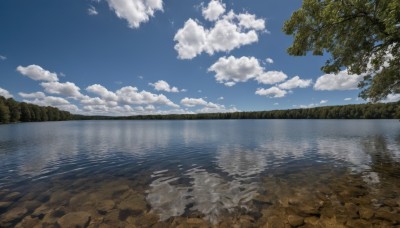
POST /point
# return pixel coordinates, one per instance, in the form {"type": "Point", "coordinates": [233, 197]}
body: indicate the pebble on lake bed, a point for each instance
{"type": "Point", "coordinates": [4, 205]}
{"type": "Point", "coordinates": [295, 220]}
{"type": "Point", "coordinates": [74, 220]}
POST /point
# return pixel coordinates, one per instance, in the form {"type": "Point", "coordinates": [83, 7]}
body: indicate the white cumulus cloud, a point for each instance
{"type": "Point", "coordinates": [162, 85]}
{"type": "Point", "coordinates": [217, 109]}
{"type": "Point", "coordinates": [233, 69]}
{"type": "Point", "coordinates": [39, 98]}
{"type": "Point", "coordinates": [191, 40]}
{"type": "Point", "coordinates": [150, 108]}
{"type": "Point", "coordinates": [214, 9]}
{"type": "Point", "coordinates": [308, 106]}
{"type": "Point", "coordinates": [127, 100]}
{"type": "Point", "coordinates": [230, 70]}
{"type": "Point", "coordinates": [5, 93]}
{"type": "Point", "coordinates": [269, 60]}
{"type": "Point", "coordinates": [131, 95]}
{"type": "Point", "coordinates": [391, 98]}
{"type": "Point", "coordinates": [37, 73]}
{"type": "Point", "coordinates": [206, 107]}
{"type": "Point", "coordinates": [341, 81]}
{"type": "Point", "coordinates": [135, 11]}
{"type": "Point", "coordinates": [249, 21]}
{"type": "Point", "coordinates": [271, 77]}
{"type": "Point", "coordinates": [96, 101]}
{"type": "Point", "coordinates": [226, 36]}
{"type": "Point", "coordinates": [191, 102]}
{"type": "Point", "coordinates": [230, 84]}
{"type": "Point", "coordinates": [323, 101]}
{"type": "Point", "coordinates": [274, 92]}
{"type": "Point", "coordinates": [348, 99]}
{"type": "Point", "coordinates": [102, 92]}
{"type": "Point", "coordinates": [229, 32]}
{"type": "Point", "coordinates": [66, 89]}
{"type": "Point", "coordinates": [295, 82]}
{"type": "Point", "coordinates": [36, 95]}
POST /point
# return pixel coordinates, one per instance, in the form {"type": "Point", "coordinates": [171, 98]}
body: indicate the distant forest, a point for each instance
{"type": "Point", "coordinates": [12, 111]}
{"type": "Point", "coordinates": [358, 111]}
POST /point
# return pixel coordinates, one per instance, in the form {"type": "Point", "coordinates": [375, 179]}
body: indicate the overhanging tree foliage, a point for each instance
{"type": "Point", "coordinates": [361, 35]}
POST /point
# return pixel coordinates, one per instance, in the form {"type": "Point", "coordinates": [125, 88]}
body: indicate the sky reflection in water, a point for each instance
{"type": "Point", "coordinates": [210, 167]}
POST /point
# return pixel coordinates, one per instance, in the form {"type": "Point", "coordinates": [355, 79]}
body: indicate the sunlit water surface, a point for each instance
{"type": "Point", "coordinates": [272, 173]}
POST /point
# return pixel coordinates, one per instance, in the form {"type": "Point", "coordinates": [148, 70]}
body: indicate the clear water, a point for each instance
{"type": "Point", "coordinates": [225, 173]}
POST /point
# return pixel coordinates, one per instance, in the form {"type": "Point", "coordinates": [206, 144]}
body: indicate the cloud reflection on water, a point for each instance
{"type": "Point", "coordinates": [166, 199]}
{"type": "Point", "coordinates": [214, 194]}
{"type": "Point", "coordinates": [237, 161]}
{"type": "Point", "coordinates": [205, 192]}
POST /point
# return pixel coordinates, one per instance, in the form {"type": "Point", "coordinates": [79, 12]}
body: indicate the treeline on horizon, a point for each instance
{"type": "Point", "coordinates": [356, 111]}
{"type": "Point", "coordinates": [12, 111]}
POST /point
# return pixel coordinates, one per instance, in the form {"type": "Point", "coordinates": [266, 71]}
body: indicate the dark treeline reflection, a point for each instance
{"type": "Point", "coordinates": [358, 111]}
{"type": "Point", "coordinates": [12, 111]}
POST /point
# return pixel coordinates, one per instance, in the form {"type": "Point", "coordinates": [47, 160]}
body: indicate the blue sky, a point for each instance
{"type": "Point", "coordinates": [127, 57]}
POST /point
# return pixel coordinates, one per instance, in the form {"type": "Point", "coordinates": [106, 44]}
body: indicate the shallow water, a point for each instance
{"type": "Point", "coordinates": [221, 173]}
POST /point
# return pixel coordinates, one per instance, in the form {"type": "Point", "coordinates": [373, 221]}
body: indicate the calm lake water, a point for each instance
{"type": "Point", "coordinates": [222, 173]}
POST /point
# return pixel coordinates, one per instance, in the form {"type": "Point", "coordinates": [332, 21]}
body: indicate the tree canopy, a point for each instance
{"type": "Point", "coordinates": [12, 111]}
{"type": "Point", "coordinates": [361, 35]}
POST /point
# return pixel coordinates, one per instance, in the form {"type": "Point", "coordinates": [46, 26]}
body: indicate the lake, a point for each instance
{"type": "Point", "coordinates": [201, 173]}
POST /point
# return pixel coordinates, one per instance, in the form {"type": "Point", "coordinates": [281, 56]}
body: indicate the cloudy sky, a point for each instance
{"type": "Point", "coordinates": [126, 57]}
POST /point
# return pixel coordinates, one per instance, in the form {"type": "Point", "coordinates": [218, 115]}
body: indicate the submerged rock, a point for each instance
{"type": "Point", "coordinates": [275, 222]}
{"type": "Point", "coordinates": [311, 220]}
{"type": "Point", "coordinates": [40, 211]}
{"type": "Point", "coordinates": [386, 215]}
{"type": "Point", "coordinates": [78, 199]}
{"type": "Point", "coordinates": [74, 220]}
{"type": "Point", "coordinates": [60, 197]}
{"type": "Point", "coordinates": [14, 215]}
{"type": "Point", "coordinates": [263, 199]}
{"type": "Point", "coordinates": [366, 213]}
{"type": "Point", "coordinates": [12, 196]}
{"type": "Point", "coordinates": [295, 220]}
{"type": "Point", "coordinates": [146, 220]}
{"type": "Point", "coordinates": [331, 222]}
{"type": "Point", "coordinates": [31, 204]}
{"type": "Point", "coordinates": [195, 221]}
{"type": "Point", "coordinates": [135, 204]}
{"type": "Point", "coordinates": [51, 217]}
{"type": "Point", "coordinates": [359, 223]}
{"type": "Point", "coordinates": [105, 206]}
{"type": "Point", "coordinates": [311, 209]}
{"type": "Point", "coordinates": [351, 210]}
{"type": "Point", "coordinates": [4, 205]}
{"type": "Point", "coordinates": [120, 188]}
{"type": "Point", "coordinates": [28, 222]}
{"type": "Point", "coordinates": [390, 202]}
